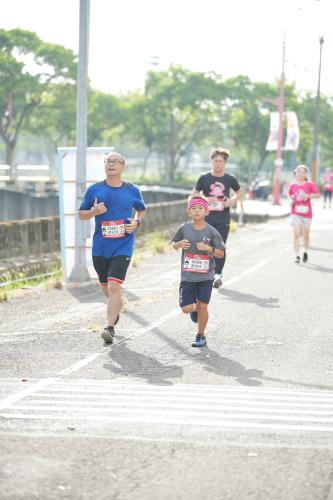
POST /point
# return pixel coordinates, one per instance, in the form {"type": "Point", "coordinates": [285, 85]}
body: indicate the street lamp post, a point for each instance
{"type": "Point", "coordinates": [315, 147]}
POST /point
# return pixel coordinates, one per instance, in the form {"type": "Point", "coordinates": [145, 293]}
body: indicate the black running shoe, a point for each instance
{"type": "Point", "coordinates": [108, 334]}
{"type": "Point", "coordinates": [217, 283]}
{"type": "Point", "coordinates": [298, 259]}
{"type": "Point", "coordinates": [194, 316]}
{"type": "Point", "coordinates": [305, 257]}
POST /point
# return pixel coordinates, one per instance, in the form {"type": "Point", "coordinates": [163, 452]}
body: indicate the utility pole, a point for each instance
{"type": "Point", "coordinates": [80, 272]}
{"type": "Point", "coordinates": [315, 147]}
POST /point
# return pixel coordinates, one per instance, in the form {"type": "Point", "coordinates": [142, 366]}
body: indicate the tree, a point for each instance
{"type": "Point", "coordinates": [179, 108]}
{"type": "Point", "coordinates": [106, 114]}
{"type": "Point", "coordinates": [27, 68]}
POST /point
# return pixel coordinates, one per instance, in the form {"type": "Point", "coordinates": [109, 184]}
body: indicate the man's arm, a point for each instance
{"type": "Point", "coordinates": [232, 202]}
{"type": "Point", "coordinates": [96, 209]}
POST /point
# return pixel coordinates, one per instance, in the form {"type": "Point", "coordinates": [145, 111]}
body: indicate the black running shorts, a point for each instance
{"type": "Point", "coordinates": [111, 269]}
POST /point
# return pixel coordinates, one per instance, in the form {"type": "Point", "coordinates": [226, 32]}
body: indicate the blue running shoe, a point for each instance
{"type": "Point", "coordinates": [194, 316]}
{"type": "Point", "coordinates": [200, 341]}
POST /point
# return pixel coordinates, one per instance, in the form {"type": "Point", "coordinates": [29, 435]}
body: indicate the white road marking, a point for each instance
{"type": "Point", "coordinates": [228, 407]}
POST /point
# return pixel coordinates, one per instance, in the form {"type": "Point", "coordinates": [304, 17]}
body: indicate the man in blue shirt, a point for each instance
{"type": "Point", "coordinates": [118, 208]}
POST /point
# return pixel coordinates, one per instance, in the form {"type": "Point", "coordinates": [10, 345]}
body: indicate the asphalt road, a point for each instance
{"type": "Point", "coordinates": [248, 417]}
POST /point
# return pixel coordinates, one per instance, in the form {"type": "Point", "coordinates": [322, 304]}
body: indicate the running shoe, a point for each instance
{"type": "Point", "coordinates": [200, 341]}
{"type": "Point", "coordinates": [194, 316]}
{"type": "Point", "coordinates": [298, 259]}
{"type": "Point", "coordinates": [217, 282]}
{"type": "Point", "coordinates": [108, 334]}
{"type": "Point", "coordinates": [305, 257]}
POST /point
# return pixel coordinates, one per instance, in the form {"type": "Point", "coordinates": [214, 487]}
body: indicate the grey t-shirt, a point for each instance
{"type": "Point", "coordinates": [198, 265]}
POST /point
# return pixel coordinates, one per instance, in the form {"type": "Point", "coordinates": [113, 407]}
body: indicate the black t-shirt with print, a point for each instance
{"type": "Point", "coordinates": [217, 189]}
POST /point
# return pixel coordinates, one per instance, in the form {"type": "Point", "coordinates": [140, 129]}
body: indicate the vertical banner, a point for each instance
{"type": "Point", "coordinates": [292, 139]}
{"type": "Point", "coordinates": [272, 142]}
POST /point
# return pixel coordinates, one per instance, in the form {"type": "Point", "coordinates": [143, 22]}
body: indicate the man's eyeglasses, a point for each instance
{"type": "Point", "coordinates": [113, 162]}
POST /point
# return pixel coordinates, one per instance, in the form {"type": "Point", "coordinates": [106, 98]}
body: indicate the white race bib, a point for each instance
{"type": "Point", "coordinates": [215, 204]}
{"type": "Point", "coordinates": [196, 263]}
{"type": "Point", "coordinates": [113, 228]}
{"type": "Point", "coordinates": [301, 209]}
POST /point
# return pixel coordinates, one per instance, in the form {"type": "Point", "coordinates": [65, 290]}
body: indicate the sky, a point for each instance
{"type": "Point", "coordinates": [229, 37]}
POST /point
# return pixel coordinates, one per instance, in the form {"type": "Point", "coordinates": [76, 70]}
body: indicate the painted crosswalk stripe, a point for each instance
{"type": "Point", "coordinates": [192, 405]}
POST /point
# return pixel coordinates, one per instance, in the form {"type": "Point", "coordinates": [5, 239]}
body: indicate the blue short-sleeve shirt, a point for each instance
{"type": "Point", "coordinates": [110, 238]}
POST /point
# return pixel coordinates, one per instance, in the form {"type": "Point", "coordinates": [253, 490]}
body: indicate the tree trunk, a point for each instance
{"type": "Point", "coordinates": [145, 161]}
{"type": "Point", "coordinates": [10, 147]}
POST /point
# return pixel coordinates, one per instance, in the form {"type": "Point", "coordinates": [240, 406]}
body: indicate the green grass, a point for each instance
{"type": "Point", "coordinates": [11, 281]}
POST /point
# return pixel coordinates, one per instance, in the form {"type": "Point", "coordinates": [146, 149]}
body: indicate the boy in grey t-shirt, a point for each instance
{"type": "Point", "coordinates": [200, 243]}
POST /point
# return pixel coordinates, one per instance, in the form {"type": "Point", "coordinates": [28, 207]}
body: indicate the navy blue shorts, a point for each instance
{"type": "Point", "coordinates": [190, 292]}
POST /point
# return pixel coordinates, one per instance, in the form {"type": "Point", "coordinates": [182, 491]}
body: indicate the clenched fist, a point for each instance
{"type": "Point", "coordinates": [99, 208]}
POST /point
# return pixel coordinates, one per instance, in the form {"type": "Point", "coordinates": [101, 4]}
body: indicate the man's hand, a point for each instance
{"type": "Point", "coordinates": [131, 226]}
{"type": "Point", "coordinates": [99, 208]}
{"type": "Point", "coordinates": [228, 202]}
{"type": "Point", "coordinates": [185, 244]}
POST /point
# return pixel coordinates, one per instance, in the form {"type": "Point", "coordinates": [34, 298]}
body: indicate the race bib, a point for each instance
{"type": "Point", "coordinates": [216, 204]}
{"type": "Point", "coordinates": [194, 263]}
{"type": "Point", "coordinates": [301, 209]}
{"type": "Point", "coordinates": [113, 228]}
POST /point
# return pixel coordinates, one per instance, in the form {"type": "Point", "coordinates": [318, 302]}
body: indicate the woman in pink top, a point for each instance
{"type": "Point", "coordinates": [327, 187]}
{"type": "Point", "coordinates": [300, 192]}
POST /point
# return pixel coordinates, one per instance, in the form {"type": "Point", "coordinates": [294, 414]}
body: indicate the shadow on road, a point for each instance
{"type": "Point", "coordinates": [329, 250]}
{"type": "Point", "coordinates": [226, 367]}
{"type": "Point", "coordinates": [142, 366]}
{"type": "Point", "coordinates": [133, 364]}
{"type": "Point", "coordinates": [321, 269]}
{"type": "Point", "coordinates": [249, 298]}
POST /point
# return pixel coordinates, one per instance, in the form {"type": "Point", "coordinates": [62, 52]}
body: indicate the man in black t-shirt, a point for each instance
{"type": "Point", "coordinates": [216, 185]}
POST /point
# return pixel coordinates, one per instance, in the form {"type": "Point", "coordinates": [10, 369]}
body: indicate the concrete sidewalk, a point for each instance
{"type": "Point", "coordinates": [261, 211]}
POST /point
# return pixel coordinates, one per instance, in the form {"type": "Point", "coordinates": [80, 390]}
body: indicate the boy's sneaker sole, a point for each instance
{"type": "Point", "coordinates": [107, 335]}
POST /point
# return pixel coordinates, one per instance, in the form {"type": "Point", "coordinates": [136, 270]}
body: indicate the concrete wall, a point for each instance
{"type": "Point", "coordinates": [16, 205]}
{"type": "Point", "coordinates": [31, 237]}
{"type": "Point", "coordinates": [34, 237]}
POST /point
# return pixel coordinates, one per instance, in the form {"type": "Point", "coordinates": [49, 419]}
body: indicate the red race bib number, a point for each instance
{"type": "Point", "coordinates": [194, 263]}
{"type": "Point", "coordinates": [113, 228]}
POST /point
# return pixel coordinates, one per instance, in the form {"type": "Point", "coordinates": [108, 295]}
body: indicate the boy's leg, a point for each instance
{"type": "Point", "coordinates": [187, 297]}
{"type": "Point", "coordinates": [202, 317]}
{"type": "Point", "coordinates": [204, 292]}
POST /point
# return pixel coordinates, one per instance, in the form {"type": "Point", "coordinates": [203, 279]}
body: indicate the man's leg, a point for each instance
{"type": "Point", "coordinates": [114, 301]}
{"type": "Point", "coordinates": [219, 263]}
{"type": "Point", "coordinates": [116, 276]}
